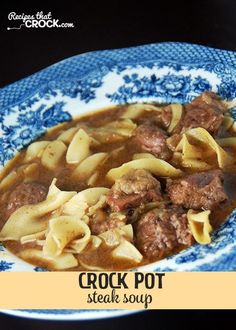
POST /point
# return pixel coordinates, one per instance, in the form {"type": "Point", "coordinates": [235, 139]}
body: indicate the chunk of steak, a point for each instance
{"type": "Point", "coordinates": [24, 194]}
{"type": "Point", "coordinates": [101, 222]}
{"type": "Point", "coordinates": [133, 189]}
{"type": "Point", "coordinates": [151, 138]}
{"type": "Point", "coordinates": [205, 111]}
{"type": "Point", "coordinates": [198, 191]}
{"type": "Point", "coordinates": [161, 231]}
{"type": "Point", "coordinates": [178, 218]}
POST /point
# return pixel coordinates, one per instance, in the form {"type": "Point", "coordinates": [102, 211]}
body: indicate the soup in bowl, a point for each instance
{"type": "Point", "coordinates": [122, 187]}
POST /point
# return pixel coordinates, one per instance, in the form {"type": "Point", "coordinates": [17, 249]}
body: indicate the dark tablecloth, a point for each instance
{"type": "Point", "coordinates": [114, 25]}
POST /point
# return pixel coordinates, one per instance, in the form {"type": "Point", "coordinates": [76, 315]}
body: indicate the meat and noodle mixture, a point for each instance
{"type": "Point", "coordinates": [122, 187]}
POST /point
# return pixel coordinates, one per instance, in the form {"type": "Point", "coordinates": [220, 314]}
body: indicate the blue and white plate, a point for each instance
{"type": "Point", "coordinates": [165, 72]}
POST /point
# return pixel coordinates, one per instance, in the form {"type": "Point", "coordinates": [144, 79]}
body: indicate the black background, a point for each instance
{"type": "Point", "coordinates": [103, 26]}
{"type": "Point", "coordinates": [114, 25]}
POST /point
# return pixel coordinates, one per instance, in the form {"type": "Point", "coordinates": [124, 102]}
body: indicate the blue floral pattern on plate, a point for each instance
{"type": "Point", "coordinates": [167, 72]}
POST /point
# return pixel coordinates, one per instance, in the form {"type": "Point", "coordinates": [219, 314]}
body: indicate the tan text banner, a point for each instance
{"type": "Point", "coordinates": [131, 290]}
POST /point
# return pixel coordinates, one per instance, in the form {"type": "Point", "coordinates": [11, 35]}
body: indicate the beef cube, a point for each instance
{"type": "Point", "coordinates": [178, 218]}
{"type": "Point", "coordinates": [160, 231]}
{"type": "Point", "coordinates": [24, 194]}
{"type": "Point", "coordinates": [133, 189]}
{"type": "Point", "coordinates": [205, 111]}
{"type": "Point", "coordinates": [198, 191]}
{"type": "Point", "coordinates": [150, 138]}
